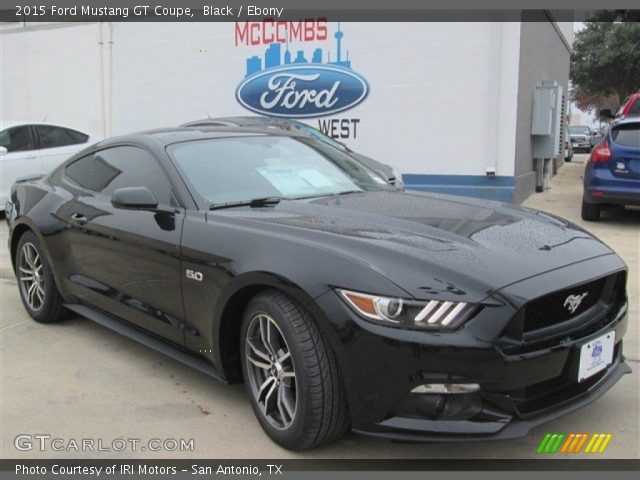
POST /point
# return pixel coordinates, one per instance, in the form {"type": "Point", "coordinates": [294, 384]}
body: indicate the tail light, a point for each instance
{"type": "Point", "coordinates": [601, 153]}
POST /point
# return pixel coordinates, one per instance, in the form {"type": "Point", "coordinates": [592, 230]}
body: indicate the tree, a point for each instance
{"type": "Point", "coordinates": [605, 63]}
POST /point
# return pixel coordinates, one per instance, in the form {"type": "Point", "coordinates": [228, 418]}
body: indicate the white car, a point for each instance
{"type": "Point", "coordinates": [28, 148]}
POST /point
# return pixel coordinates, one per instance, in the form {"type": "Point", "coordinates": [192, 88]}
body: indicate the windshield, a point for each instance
{"type": "Point", "coordinates": [579, 130]}
{"type": "Point", "coordinates": [237, 169]}
{"type": "Point", "coordinates": [317, 134]}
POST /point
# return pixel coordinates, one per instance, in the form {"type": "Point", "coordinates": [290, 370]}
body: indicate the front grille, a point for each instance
{"type": "Point", "coordinates": [554, 308]}
{"type": "Point", "coordinates": [591, 328]}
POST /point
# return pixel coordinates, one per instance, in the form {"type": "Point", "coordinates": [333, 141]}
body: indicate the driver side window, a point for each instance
{"type": "Point", "coordinates": [119, 167]}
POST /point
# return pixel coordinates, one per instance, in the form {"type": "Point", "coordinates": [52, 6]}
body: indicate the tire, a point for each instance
{"type": "Point", "coordinates": [307, 374]}
{"type": "Point", "coordinates": [590, 211]}
{"type": "Point", "coordinates": [44, 304]}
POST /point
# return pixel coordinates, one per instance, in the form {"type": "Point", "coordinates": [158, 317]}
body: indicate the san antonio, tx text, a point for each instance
{"type": "Point", "coordinates": [128, 469]}
{"type": "Point", "coordinates": [149, 10]}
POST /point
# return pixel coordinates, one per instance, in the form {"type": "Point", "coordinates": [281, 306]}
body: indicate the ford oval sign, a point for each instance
{"type": "Point", "coordinates": [302, 91]}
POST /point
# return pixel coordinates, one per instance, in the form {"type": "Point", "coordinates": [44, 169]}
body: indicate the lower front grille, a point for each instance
{"type": "Point", "coordinates": [536, 398]}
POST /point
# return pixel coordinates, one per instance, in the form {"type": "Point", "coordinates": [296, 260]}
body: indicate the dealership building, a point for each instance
{"type": "Point", "coordinates": [459, 108]}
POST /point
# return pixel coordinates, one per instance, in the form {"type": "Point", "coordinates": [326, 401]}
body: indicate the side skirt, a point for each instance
{"type": "Point", "coordinates": [147, 340]}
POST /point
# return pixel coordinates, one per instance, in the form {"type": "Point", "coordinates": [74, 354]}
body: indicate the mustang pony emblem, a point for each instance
{"type": "Point", "coordinates": [572, 302]}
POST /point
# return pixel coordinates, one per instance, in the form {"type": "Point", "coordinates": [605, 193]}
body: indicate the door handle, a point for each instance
{"type": "Point", "coordinates": [79, 218]}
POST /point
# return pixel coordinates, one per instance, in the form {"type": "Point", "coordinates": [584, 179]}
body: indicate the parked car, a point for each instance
{"type": "Point", "coordinates": [28, 148]}
{"type": "Point", "coordinates": [568, 151]}
{"type": "Point", "coordinates": [629, 108]}
{"type": "Point", "coordinates": [387, 172]}
{"type": "Point", "coordinates": [278, 260]}
{"type": "Point", "coordinates": [581, 137]}
{"type": "Point", "coordinates": [612, 175]}
{"type": "Point", "coordinates": [568, 147]}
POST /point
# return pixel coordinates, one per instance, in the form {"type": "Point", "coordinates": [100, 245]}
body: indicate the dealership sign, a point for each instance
{"type": "Point", "coordinates": [302, 91]}
{"type": "Point", "coordinates": [285, 80]}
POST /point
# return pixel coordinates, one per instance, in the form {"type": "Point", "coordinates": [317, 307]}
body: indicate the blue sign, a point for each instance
{"type": "Point", "coordinates": [597, 349]}
{"type": "Point", "coordinates": [295, 86]}
{"type": "Point", "coordinates": [302, 91]}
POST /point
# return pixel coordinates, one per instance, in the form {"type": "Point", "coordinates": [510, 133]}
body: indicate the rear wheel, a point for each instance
{"type": "Point", "coordinates": [291, 374]}
{"type": "Point", "coordinates": [37, 287]}
{"type": "Point", "coordinates": [590, 211]}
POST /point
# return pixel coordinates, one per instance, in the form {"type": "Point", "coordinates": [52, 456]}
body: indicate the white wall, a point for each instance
{"type": "Point", "coordinates": [52, 73]}
{"type": "Point", "coordinates": [437, 89]}
{"type": "Point", "coordinates": [442, 99]}
{"type": "Point", "coordinates": [567, 30]}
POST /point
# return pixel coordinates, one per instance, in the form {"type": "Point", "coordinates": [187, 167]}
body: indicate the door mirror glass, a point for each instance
{"type": "Point", "coordinates": [140, 198]}
{"type": "Point", "coordinates": [3, 151]}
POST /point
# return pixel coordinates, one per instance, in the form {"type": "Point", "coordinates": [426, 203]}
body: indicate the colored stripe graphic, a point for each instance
{"type": "Point", "coordinates": [581, 442]}
{"type": "Point", "coordinates": [573, 443]}
{"type": "Point", "coordinates": [551, 442]}
{"type": "Point", "coordinates": [598, 443]}
{"type": "Point", "coordinates": [565, 447]}
{"type": "Point", "coordinates": [543, 443]}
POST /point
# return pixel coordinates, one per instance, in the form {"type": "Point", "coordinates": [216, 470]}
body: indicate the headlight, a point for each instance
{"type": "Point", "coordinates": [431, 315]}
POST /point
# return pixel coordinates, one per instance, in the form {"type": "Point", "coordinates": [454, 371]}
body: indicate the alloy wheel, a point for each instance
{"type": "Point", "coordinates": [271, 372]}
{"type": "Point", "coordinates": [31, 276]}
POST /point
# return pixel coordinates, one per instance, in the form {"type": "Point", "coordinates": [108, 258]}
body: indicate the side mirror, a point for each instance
{"type": "Point", "coordinates": [3, 151]}
{"type": "Point", "coordinates": [139, 198]}
{"type": "Point", "coordinates": [605, 113]}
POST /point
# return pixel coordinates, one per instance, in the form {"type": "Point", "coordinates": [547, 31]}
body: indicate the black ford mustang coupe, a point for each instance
{"type": "Point", "coordinates": [341, 302]}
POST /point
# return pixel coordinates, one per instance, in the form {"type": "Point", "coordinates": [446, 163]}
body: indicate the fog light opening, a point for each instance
{"type": "Point", "coordinates": [446, 388]}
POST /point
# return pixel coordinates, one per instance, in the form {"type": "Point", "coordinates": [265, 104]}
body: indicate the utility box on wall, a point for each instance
{"type": "Point", "coordinates": [546, 121]}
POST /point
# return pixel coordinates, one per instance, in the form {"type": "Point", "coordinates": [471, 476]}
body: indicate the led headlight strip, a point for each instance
{"type": "Point", "coordinates": [434, 314]}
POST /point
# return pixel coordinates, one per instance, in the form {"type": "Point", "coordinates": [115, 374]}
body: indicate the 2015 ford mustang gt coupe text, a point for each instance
{"type": "Point", "coordinates": [341, 302]}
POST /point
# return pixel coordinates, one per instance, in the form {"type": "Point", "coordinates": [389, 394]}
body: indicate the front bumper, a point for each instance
{"type": "Point", "coordinates": [520, 387]}
{"type": "Point", "coordinates": [492, 424]}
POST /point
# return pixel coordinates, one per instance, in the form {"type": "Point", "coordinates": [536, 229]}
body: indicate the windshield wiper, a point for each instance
{"type": "Point", "coordinates": [253, 203]}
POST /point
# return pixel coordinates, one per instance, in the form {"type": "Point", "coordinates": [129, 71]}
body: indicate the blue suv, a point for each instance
{"type": "Point", "coordinates": [612, 176]}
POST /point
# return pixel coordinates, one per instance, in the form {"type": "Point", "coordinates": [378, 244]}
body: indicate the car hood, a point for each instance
{"type": "Point", "coordinates": [431, 244]}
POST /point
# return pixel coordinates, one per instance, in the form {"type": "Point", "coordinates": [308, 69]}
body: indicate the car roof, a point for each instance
{"type": "Point", "coordinates": [171, 135]}
{"type": "Point", "coordinates": [626, 120]}
{"type": "Point", "coordinates": [4, 124]}
{"type": "Point", "coordinates": [247, 120]}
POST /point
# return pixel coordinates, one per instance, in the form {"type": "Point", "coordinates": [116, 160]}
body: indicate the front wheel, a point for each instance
{"type": "Point", "coordinates": [291, 374]}
{"type": "Point", "coordinates": [36, 284]}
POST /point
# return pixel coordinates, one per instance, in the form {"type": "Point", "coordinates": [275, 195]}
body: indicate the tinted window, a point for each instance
{"type": "Point", "coordinates": [79, 172]}
{"type": "Point", "coordinates": [119, 167]}
{"type": "Point", "coordinates": [238, 169]}
{"type": "Point", "coordinates": [635, 108]}
{"type": "Point", "coordinates": [51, 136]}
{"type": "Point", "coordinates": [16, 139]}
{"type": "Point", "coordinates": [627, 135]}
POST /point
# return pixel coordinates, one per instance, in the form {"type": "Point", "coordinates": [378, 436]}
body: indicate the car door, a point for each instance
{"type": "Point", "coordinates": [20, 159]}
{"type": "Point", "coordinates": [128, 261]}
{"type": "Point", "coordinates": [56, 144]}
